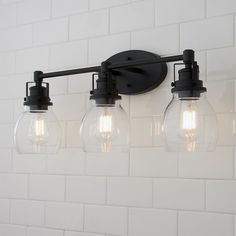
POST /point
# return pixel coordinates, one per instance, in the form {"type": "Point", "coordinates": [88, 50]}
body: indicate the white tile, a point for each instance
{"type": "Point", "coordinates": [168, 40]}
{"type": "Point", "coordinates": [207, 33]}
{"type": "Point", "coordinates": [57, 86]}
{"type": "Point", "coordinates": [152, 103]}
{"type": "Point", "coordinates": [27, 212]}
{"type": "Point", "coordinates": [152, 222]}
{"type": "Point", "coordinates": [70, 161]}
{"type": "Point", "coordinates": [6, 135]}
{"type": "Point", "coordinates": [100, 49]}
{"type": "Point", "coordinates": [170, 11]}
{"type": "Point", "coordinates": [69, 107]}
{"type": "Point", "coordinates": [86, 189]}
{"type": "Point", "coordinates": [89, 24]}
{"type": "Point", "coordinates": [29, 163]}
{"type": "Point", "coordinates": [220, 7]}
{"type": "Point", "coordinates": [10, 1]}
{"type": "Point", "coordinates": [73, 134]}
{"type": "Point", "coordinates": [6, 108]}
{"type": "Point", "coordinates": [221, 196]}
{"type": "Point", "coordinates": [8, 37]}
{"type": "Point", "coordinates": [227, 128]}
{"type": "Point", "coordinates": [33, 10]}
{"type": "Point", "coordinates": [47, 187]}
{"type": "Point", "coordinates": [32, 59]}
{"type": "Point", "coordinates": [13, 186]}
{"type": "Point", "coordinates": [220, 94]}
{"type": "Point", "coordinates": [70, 233]}
{"type": "Point", "coordinates": [217, 164]}
{"type": "Point", "coordinates": [202, 224]}
{"type": "Point", "coordinates": [68, 7]}
{"type": "Point", "coordinates": [97, 4]}
{"type": "Point", "coordinates": [4, 210]}
{"type": "Point", "coordinates": [107, 164]}
{"type": "Point", "coordinates": [67, 55]}
{"type": "Point", "coordinates": [141, 132]}
{"type": "Point", "coordinates": [105, 219]}
{"type": "Point", "coordinates": [64, 216]}
{"type": "Point", "coordinates": [201, 58]}
{"type": "Point", "coordinates": [179, 194]}
{"type": "Point", "coordinates": [221, 64]}
{"type": "Point", "coordinates": [80, 83]}
{"type": "Point", "coordinates": [234, 226]}
{"type": "Point", "coordinates": [7, 63]}
{"type": "Point", "coordinates": [5, 160]}
{"type": "Point", "coordinates": [43, 232]}
{"type": "Point", "coordinates": [7, 16]}
{"type": "Point", "coordinates": [10, 230]}
{"type": "Point", "coordinates": [16, 91]}
{"type": "Point", "coordinates": [129, 191]}
{"type": "Point", "coordinates": [53, 31]}
{"type": "Point", "coordinates": [134, 16]}
{"type": "Point", "coordinates": [153, 162]}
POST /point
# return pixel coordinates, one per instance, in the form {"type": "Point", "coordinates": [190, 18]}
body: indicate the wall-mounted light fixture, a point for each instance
{"type": "Point", "coordinates": [189, 122]}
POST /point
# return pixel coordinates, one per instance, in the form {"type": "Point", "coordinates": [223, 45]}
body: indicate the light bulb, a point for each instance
{"type": "Point", "coordinates": [37, 131]}
{"type": "Point", "coordinates": [189, 119]}
{"type": "Point", "coordinates": [105, 128]}
{"type": "Point", "coordinates": [190, 124]}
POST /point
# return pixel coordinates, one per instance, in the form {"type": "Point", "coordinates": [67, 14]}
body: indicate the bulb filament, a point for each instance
{"type": "Point", "coordinates": [105, 130]}
{"type": "Point", "coordinates": [189, 126]}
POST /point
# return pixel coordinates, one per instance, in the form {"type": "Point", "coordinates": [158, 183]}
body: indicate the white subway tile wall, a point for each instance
{"type": "Point", "coordinates": [149, 191]}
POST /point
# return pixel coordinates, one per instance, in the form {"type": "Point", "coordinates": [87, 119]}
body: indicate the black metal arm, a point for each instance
{"type": "Point", "coordinates": [41, 75]}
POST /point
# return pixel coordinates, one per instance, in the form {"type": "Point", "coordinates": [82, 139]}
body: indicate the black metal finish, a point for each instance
{"type": "Point", "coordinates": [143, 61]}
{"type": "Point", "coordinates": [105, 92]}
{"type": "Point", "coordinates": [136, 76]}
{"type": "Point", "coordinates": [189, 85]}
{"type": "Point", "coordinates": [37, 96]}
{"type": "Point", "coordinates": [70, 72]}
{"type": "Point", "coordinates": [130, 72]}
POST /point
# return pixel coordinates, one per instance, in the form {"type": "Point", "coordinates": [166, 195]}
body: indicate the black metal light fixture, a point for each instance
{"type": "Point", "coordinates": [189, 122]}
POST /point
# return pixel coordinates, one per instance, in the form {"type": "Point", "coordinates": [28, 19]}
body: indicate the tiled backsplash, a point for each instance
{"type": "Point", "coordinates": [148, 192]}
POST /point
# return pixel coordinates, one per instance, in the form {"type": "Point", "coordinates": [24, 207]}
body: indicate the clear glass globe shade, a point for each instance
{"type": "Point", "coordinates": [37, 132]}
{"type": "Point", "coordinates": [105, 128]}
{"type": "Point", "coordinates": [190, 124]}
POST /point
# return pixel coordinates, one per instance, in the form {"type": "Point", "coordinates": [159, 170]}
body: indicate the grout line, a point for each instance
{"type": "Point", "coordinates": [106, 189]}
{"type": "Point", "coordinates": [65, 188]}
{"type": "Point", "coordinates": [51, 7]}
{"type": "Point", "coordinates": [179, 35]}
{"type": "Point", "coordinates": [205, 8]}
{"type": "Point", "coordinates": [45, 210]}
{"type": "Point", "coordinates": [177, 223]}
{"type": "Point", "coordinates": [83, 217]}
{"type": "Point", "coordinates": [234, 158]}
{"type": "Point", "coordinates": [109, 21]}
{"type": "Point", "coordinates": [205, 195]}
{"type": "Point", "coordinates": [234, 26]}
{"type": "Point", "coordinates": [127, 213]}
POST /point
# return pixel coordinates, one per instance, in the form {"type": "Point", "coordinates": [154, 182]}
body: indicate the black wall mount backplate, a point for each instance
{"type": "Point", "coordinates": [137, 79]}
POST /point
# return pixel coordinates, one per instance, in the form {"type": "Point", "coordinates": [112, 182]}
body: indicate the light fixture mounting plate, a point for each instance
{"type": "Point", "coordinates": [137, 79]}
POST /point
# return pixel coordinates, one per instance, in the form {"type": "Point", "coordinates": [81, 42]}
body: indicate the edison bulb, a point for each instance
{"type": "Point", "coordinates": [190, 124]}
{"type": "Point", "coordinates": [37, 131]}
{"type": "Point", "coordinates": [105, 128]}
